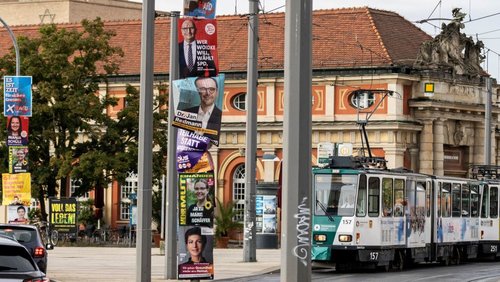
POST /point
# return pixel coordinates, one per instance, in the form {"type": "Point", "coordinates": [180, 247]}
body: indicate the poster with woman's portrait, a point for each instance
{"type": "Point", "coordinates": [18, 159]}
{"type": "Point", "coordinates": [17, 130]}
{"type": "Point", "coordinates": [195, 253]}
{"type": "Point", "coordinates": [17, 214]}
{"type": "Point", "coordinates": [196, 199]}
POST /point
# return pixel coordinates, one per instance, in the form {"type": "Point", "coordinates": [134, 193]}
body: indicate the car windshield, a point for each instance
{"type": "Point", "coordinates": [15, 259]}
{"type": "Point", "coordinates": [22, 235]}
{"type": "Point", "coordinates": [335, 194]}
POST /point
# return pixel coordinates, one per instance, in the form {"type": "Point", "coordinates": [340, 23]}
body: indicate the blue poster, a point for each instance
{"type": "Point", "coordinates": [200, 8]}
{"type": "Point", "coordinates": [17, 95]}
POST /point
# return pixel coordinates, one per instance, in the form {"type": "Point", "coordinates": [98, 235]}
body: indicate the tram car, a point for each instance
{"type": "Point", "coordinates": [489, 230]}
{"type": "Point", "coordinates": [367, 215]}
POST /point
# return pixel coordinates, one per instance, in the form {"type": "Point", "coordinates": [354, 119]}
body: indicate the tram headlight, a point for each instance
{"type": "Point", "coordinates": [345, 238]}
{"type": "Point", "coordinates": [320, 237]}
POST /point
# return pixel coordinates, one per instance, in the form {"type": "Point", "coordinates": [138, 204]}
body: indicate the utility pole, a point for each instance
{"type": "Point", "coordinates": [145, 159]}
{"type": "Point", "coordinates": [487, 123]}
{"type": "Point", "coordinates": [297, 125]}
{"type": "Point", "coordinates": [171, 218]}
{"type": "Point", "coordinates": [249, 242]}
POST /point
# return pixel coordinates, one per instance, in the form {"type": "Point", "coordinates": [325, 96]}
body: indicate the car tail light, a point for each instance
{"type": "Point", "coordinates": [44, 279]}
{"type": "Point", "coordinates": [39, 252]}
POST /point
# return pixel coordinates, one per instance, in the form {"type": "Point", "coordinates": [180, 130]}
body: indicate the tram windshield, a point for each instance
{"type": "Point", "coordinates": [335, 194]}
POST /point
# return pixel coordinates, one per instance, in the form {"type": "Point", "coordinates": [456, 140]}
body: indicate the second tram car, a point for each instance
{"type": "Point", "coordinates": [364, 214]}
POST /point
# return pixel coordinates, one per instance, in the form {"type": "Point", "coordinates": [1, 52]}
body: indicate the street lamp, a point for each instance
{"type": "Point", "coordinates": [16, 48]}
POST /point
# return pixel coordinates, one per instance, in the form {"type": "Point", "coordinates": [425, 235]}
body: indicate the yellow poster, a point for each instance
{"type": "Point", "coordinates": [16, 189]}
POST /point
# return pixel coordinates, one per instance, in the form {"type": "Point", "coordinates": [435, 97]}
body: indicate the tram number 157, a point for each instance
{"type": "Point", "coordinates": [373, 255]}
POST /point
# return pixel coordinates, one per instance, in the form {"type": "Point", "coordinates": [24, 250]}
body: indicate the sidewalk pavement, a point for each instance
{"type": "Point", "coordinates": [68, 264]}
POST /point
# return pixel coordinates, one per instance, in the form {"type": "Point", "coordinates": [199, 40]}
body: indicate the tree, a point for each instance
{"type": "Point", "coordinates": [70, 132]}
{"type": "Point", "coordinates": [67, 67]}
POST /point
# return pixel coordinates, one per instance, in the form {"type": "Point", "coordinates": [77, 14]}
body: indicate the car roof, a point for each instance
{"type": "Point", "coordinates": [9, 242]}
{"type": "Point", "coordinates": [17, 226]}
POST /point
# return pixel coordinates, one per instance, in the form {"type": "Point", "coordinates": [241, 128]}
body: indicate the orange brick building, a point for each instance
{"type": "Point", "coordinates": [353, 48]}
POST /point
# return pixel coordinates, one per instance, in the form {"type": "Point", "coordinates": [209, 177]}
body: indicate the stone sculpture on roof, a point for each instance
{"type": "Point", "coordinates": [452, 49]}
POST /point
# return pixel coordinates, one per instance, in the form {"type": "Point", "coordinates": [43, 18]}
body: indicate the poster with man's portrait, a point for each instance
{"type": "Point", "coordinates": [197, 47]}
{"type": "Point", "coordinates": [198, 105]}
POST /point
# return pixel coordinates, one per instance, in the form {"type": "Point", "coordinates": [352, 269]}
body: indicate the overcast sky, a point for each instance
{"type": "Point", "coordinates": [487, 29]}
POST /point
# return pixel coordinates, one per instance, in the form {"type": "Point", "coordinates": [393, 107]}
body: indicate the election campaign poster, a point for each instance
{"type": "Point", "coordinates": [17, 131]}
{"type": "Point", "coordinates": [195, 253]}
{"type": "Point", "coordinates": [18, 214]}
{"type": "Point", "coordinates": [196, 199]}
{"type": "Point", "coordinates": [17, 95]}
{"type": "Point", "coordinates": [200, 8]}
{"type": "Point", "coordinates": [198, 104]}
{"type": "Point", "coordinates": [16, 189]}
{"type": "Point", "coordinates": [63, 214]}
{"type": "Point", "coordinates": [197, 47]}
{"type": "Point", "coordinates": [192, 155]}
{"type": "Point", "coordinates": [18, 159]}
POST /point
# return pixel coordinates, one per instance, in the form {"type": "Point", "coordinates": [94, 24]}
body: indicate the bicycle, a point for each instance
{"type": "Point", "coordinates": [49, 234]}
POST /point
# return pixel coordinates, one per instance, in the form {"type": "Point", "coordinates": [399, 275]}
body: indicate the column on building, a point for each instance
{"type": "Point", "coordinates": [438, 161]}
{"type": "Point", "coordinates": [426, 148]}
{"type": "Point", "coordinates": [414, 159]}
{"type": "Point", "coordinates": [395, 156]}
{"type": "Point", "coordinates": [478, 149]}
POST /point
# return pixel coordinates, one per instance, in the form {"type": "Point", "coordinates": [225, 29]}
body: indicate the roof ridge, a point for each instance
{"type": "Point", "coordinates": [379, 36]}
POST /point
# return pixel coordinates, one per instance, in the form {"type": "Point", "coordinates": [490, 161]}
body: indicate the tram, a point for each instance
{"type": "Point", "coordinates": [367, 215]}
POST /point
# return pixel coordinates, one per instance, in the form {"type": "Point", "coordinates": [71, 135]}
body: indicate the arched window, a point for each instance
{"type": "Point", "coordinates": [127, 188]}
{"type": "Point", "coordinates": [239, 101]}
{"type": "Point", "coordinates": [239, 191]}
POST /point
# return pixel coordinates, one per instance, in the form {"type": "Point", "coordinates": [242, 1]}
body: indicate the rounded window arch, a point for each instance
{"type": "Point", "coordinates": [239, 191]}
{"type": "Point", "coordinates": [239, 101]}
{"type": "Point", "coordinates": [361, 100]}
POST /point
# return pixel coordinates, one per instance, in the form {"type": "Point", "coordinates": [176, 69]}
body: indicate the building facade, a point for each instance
{"type": "Point", "coordinates": [354, 49]}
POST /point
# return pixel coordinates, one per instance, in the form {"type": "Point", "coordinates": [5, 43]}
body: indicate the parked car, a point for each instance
{"type": "Point", "coordinates": [16, 263]}
{"type": "Point", "coordinates": [29, 237]}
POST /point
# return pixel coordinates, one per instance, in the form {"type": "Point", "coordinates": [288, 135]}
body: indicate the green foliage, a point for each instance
{"type": "Point", "coordinates": [67, 66]}
{"type": "Point", "coordinates": [224, 219]}
{"type": "Point", "coordinates": [86, 212]}
{"type": "Point", "coordinates": [70, 132]}
{"type": "Point", "coordinates": [156, 208]}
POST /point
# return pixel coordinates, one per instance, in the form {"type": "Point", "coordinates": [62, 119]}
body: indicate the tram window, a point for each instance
{"type": "Point", "coordinates": [446, 200]}
{"type": "Point", "coordinates": [465, 200]}
{"type": "Point", "coordinates": [330, 189]}
{"type": "Point", "coordinates": [399, 197]}
{"type": "Point", "coordinates": [373, 196]}
{"type": "Point", "coordinates": [428, 199]}
{"type": "Point", "coordinates": [439, 199]}
{"type": "Point", "coordinates": [361, 202]}
{"type": "Point", "coordinates": [420, 203]}
{"type": "Point", "coordinates": [485, 203]}
{"type": "Point", "coordinates": [387, 196]}
{"type": "Point", "coordinates": [494, 202]}
{"type": "Point", "coordinates": [456, 202]}
{"type": "Point", "coordinates": [474, 200]}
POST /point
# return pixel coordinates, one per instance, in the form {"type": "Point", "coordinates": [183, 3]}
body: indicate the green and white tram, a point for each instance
{"type": "Point", "coordinates": [365, 214]}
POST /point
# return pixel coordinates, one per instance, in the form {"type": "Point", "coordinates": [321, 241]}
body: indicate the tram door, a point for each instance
{"type": "Point", "coordinates": [415, 213]}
